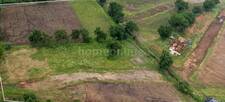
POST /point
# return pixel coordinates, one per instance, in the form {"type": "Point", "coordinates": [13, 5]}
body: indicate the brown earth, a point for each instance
{"type": "Point", "coordinates": [18, 21]}
{"type": "Point", "coordinates": [199, 53]}
{"type": "Point", "coordinates": [212, 72]}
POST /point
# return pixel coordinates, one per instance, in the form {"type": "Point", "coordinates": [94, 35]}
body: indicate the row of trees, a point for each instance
{"type": "Point", "coordinates": [183, 19]}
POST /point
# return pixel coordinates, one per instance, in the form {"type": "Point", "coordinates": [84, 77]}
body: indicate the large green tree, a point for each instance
{"type": "Point", "coordinates": [81, 35]}
{"type": "Point", "coordinates": [131, 27]}
{"type": "Point", "coordinates": [165, 31]}
{"type": "Point", "coordinates": [118, 32]}
{"type": "Point", "coordinates": [209, 4]}
{"type": "Point", "coordinates": [165, 61]}
{"type": "Point", "coordinates": [181, 5]}
{"type": "Point", "coordinates": [116, 12]}
{"type": "Point", "coordinates": [179, 22]}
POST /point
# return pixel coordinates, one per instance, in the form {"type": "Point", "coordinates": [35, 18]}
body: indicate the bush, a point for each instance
{"type": "Point", "coordinates": [116, 12]}
{"type": "Point", "coordinates": [197, 10]}
{"type": "Point", "coordinates": [114, 49]}
{"type": "Point", "coordinates": [181, 5]}
{"type": "Point", "coordinates": [81, 35]}
{"type": "Point", "coordinates": [184, 88]}
{"type": "Point", "coordinates": [165, 61]}
{"type": "Point", "coordinates": [190, 17]}
{"type": "Point", "coordinates": [101, 36]}
{"type": "Point", "coordinates": [179, 22]}
{"type": "Point", "coordinates": [61, 36]}
{"type": "Point", "coordinates": [30, 97]}
{"type": "Point", "coordinates": [165, 31]}
{"type": "Point", "coordinates": [118, 32]}
{"type": "Point", "coordinates": [130, 28]}
{"type": "Point", "coordinates": [209, 4]}
{"type": "Point", "coordinates": [101, 2]}
{"type": "Point", "coordinates": [1, 51]}
{"type": "Point", "coordinates": [39, 39]}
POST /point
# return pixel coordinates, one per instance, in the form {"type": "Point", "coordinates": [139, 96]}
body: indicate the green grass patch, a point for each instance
{"type": "Point", "coordinates": [91, 15]}
{"type": "Point", "coordinates": [87, 57]}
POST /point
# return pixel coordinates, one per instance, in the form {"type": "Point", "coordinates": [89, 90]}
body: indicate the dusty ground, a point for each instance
{"type": "Point", "coordinates": [133, 86]}
{"type": "Point", "coordinates": [18, 21]}
{"type": "Point", "coordinates": [212, 72]}
{"type": "Point", "coordinates": [199, 53]}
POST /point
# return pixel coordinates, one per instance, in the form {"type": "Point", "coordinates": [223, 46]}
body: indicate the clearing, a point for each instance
{"type": "Point", "coordinates": [17, 22]}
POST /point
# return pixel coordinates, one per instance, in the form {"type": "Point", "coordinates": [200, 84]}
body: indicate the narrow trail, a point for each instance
{"type": "Point", "coordinates": [200, 51]}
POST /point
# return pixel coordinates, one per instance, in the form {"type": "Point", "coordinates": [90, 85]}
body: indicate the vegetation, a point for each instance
{"type": "Point", "coordinates": [165, 61]}
{"type": "Point", "coordinates": [61, 36]}
{"type": "Point", "coordinates": [101, 2]}
{"type": "Point", "coordinates": [130, 28]}
{"type": "Point", "coordinates": [101, 36]}
{"type": "Point", "coordinates": [165, 31]}
{"type": "Point", "coordinates": [116, 12]}
{"type": "Point", "coordinates": [210, 4]}
{"type": "Point", "coordinates": [39, 39]}
{"type": "Point", "coordinates": [81, 35]}
{"type": "Point", "coordinates": [118, 32]}
{"type": "Point", "coordinates": [1, 51]}
{"type": "Point", "coordinates": [30, 97]}
{"type": "Point", "coordinates": [197, 10]}
{"type": "Point", "coordinates": [181, 5]}
{"type": "Point", "coordinates": [114, 49]}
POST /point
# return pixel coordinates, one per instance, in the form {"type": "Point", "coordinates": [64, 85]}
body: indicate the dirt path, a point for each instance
{"type": "Point", "coordinates": [65, 79]}
{"type": "Point", "coordinates": [199, 53]}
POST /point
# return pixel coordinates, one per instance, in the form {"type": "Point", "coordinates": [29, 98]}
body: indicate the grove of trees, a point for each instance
{"type": "Point", "coordinates": [115, 10]}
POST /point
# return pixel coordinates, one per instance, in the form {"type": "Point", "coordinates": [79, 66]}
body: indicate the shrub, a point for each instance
{"type": "Point", "coordinates": [165, 31]}
{"type": "Point", "coordinates": [30, 97]}
{"type": "Point", "coordinates": [184, 88]}
{"type": "Point", "coordinates": [81, 35]}
{"type": "Point", "coordinates": [179, 22]}
{"type": "Point", "coordinates": [130, 28]}
{"type": "Point", "coordinates": [118, 32]}
{"type": "Point", "coordinates": [114, 49]}
{"type": "Point", "coordinates": [101, 2]}
{"type": "Point", "coordinates": [165, 61]}
{"type": "Point", "coordinates": [209, 4]}
{"type": "Point", "coordinates": [190, 17]}
{"type": "Point", "coordinates": [61, 36]}
{"type": "Point", "coordinates": [197, 10]}
{"type": "Point", "coordinates": [116, 12]}
{"type": "Point", "coordinates": [181, 5]}
{"type": "Point", "coordinates": [39, 39]}
{"type": "Point", "coordinates": [1, 51]}
{"type": "Point", "coordinates": [101, 36]}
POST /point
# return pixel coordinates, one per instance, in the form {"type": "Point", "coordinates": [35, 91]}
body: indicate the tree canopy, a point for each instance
{"type": "Point", "coordinates": [116, 12]}
{"type": "Point", "coordinates": [165, 31]}
{"type": "Point", "coordinates": [81, 35]}
{"type": "Point", "coordinates": [131, 27]}
{"type": "Point", "coordinates": [181, 5]}
{"type": "Point", "coordinates": [118, 32]}
{"type": "Point", "coordinates": [100, 35]}
{"type": "Point", "coordinates": [165, 61]}
{"type": "Point", "coordinates": [179, 22]}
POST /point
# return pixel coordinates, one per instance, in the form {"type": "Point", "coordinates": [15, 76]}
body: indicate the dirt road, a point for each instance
{"type": "Point", "coordinates": [199, 53]}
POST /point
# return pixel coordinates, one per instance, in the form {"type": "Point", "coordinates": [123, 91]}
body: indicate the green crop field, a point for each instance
{"type": "Point", "coordinates": [91, 15]}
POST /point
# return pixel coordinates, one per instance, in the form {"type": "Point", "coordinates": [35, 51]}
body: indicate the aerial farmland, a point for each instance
{"type": "Point", "coordinates": [112, 50]}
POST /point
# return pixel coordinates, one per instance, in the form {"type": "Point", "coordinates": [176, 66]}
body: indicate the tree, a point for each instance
{"type": "Point", "coordinates": [131, 27]}
{"type": "Point", "coordinates": [116, 12]}
{"type": "Point", "coordinates": [1, 50]}
{"type": "Point", "coordinates": [165, 31]}
{"type": "Point", "coordinates": [81, 35]}
{"type": "Point", "coordinates": [209, 5]}
{"type": "Point", "coordinates": [197, 10]}
{"type": "Point", "coordinates": [165, 61]}
{"type": "Point", "coordinates": [30, 97]}
{"type": "Point", "coordinates": [181, 5]}
{"type": "Point", "coordinates": [118, 32]}
{"type": "Point", "coordinates": [61, 36]}
{"type": "Point", "coordinates": [114, 49]}
{"type": "Point", "coordinates": [101, 36]}
{"type": "Point", "coordinates": [39, 39]}
{"type": "Point", "coordinates": [179, 22]}
{"type": "Point", "coordinates": [101, 2]}
{"type": "Point", "coordinates": [190, 17]}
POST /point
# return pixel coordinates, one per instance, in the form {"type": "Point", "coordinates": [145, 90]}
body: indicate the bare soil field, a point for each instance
{"type": "Point", "coordinates": [199, 53]}
{"type": "Point", "coordinates": [212, 70]}
{"type": "Point", "coordinates": [17, 22]}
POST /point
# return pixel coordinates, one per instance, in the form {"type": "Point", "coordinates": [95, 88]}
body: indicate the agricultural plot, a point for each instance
{"type": "Point", "coordinates": [17, 22]}
{"type": "Point", "coordinates": [91, 15]}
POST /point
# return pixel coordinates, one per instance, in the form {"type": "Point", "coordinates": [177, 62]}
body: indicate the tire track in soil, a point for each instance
{"type": "Point", "coordinates": [200, 51]}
